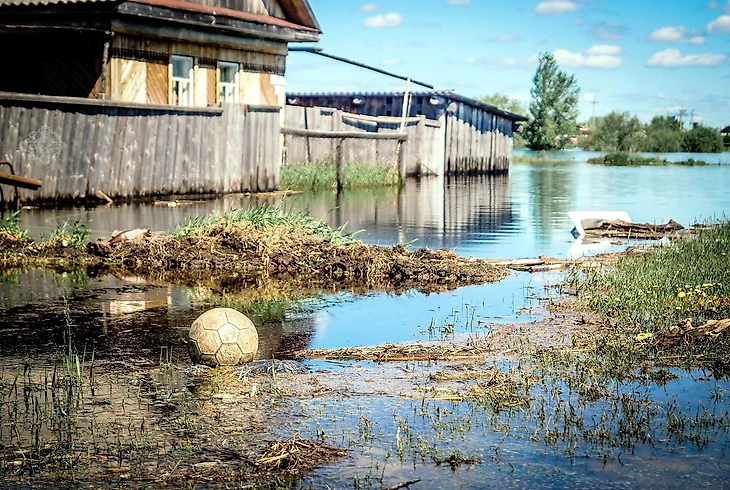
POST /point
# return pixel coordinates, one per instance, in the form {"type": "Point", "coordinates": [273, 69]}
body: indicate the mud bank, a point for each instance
{"type": "Point", "coordinates": [240, 254]}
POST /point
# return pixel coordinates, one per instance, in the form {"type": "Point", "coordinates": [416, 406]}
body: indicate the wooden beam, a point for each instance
{"type": "Point", "coordinates": [20, 181]}
{"type": "Point", "coordinates": [344, 134]}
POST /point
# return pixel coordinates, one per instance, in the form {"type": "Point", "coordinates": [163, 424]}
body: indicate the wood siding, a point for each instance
{"type": "Point", "coordinates": [261, 7]}
{"type": "Point", "coordinates": [471, 140]}
{"type": "Point", "coordinates": [79, 147]}
{"type": "Point", "coordinates": [137, 73]}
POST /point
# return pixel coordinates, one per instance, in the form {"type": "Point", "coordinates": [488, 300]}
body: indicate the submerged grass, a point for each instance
{"type": "Point", "coordinates": [311, 176]}
{"type": "Point", "coordinates": [619, 159]}
{"type": "Point", "coordinates": [688, 281]}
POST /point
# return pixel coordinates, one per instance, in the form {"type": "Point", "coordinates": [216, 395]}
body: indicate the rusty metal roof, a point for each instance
{"type": "Point", "coordinates": [446, 94]}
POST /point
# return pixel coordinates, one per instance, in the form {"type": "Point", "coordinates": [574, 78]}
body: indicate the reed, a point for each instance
{"type": "Point", "coordinates": [312, 177]}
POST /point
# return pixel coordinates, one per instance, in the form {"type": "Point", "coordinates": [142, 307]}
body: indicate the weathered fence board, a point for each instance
{"type": "Point", "coordinates": [80, 146]}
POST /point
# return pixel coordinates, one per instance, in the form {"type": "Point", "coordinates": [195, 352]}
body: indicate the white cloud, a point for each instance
{"type": "Point", "coordinates": [604, 49]}
{"type": "Point", "coordinates": [608, 31]}
{"type": "Point", "coordinates": [588, 96]}
{"type": "Point", "coordinates": [579, 21]}
{"type": "Point", "coordinates": [391, 62]}
{"type": "Point", "coordinates": [388, 20]}
{"type": "Point", "coordinates": [369, 7]}
{"type": "Point", "coordinates": [503, 62]}
{"type": "Point", "coordinates": [555, 7]}
{"type": "Point", "coordinates": [668, 34]}
{"type": "Point", "coordinates": [598, 56]}
{"type": "Point", "coordinates": [675, 34]}
{"type": "Point", "coordinates": [470, 60]}
{"type": "Point", "coordinates": [672, 58]}
{"type": "Point", "coordinates": [719, 26]}
{"type": "Point", "coordinates": [458, 2]}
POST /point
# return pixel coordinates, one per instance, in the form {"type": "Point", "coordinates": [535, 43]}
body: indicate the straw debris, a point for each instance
{"type": "Point", "coordinates": [297, 456]}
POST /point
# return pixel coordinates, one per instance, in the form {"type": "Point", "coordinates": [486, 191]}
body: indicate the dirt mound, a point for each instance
{"type": "Point", "coordinates": [245, 252]}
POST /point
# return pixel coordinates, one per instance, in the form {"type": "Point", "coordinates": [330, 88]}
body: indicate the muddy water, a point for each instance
{"type": "Point", "coordinates": [521, 215]}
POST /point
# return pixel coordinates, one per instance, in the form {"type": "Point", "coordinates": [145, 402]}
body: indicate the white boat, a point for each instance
{"type": "Point", "coordinates": [579, 217]}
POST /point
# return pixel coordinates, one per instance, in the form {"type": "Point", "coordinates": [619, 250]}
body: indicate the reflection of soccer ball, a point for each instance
{"type": "Point", "coordinates": [222, 337]}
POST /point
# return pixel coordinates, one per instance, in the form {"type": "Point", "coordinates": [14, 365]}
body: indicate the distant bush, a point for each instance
{"type": "Point", "coordinates": [702, 139]}
{"type": "Point", "coordinates": [622, 158]}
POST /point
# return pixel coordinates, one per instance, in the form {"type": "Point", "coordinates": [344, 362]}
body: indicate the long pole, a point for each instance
{"type": "Point", "coordinates": [406, 105]}
{"type": "Point", "coordinates": [318, 51]}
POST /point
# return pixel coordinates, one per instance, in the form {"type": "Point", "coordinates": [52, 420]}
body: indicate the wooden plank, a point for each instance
{"type": "Point", "coordinates": [157, 82]}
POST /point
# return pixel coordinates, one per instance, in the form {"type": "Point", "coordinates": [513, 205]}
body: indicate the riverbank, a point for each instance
{"type": "Point", "coordinates": [239, 248]}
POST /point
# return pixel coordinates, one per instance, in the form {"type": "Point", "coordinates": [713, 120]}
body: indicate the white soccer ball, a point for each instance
{"type": "Point", "coordinates": [222, 337]}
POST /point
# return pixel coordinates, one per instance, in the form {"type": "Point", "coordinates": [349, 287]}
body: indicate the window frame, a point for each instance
{"type": "Point", "coordinates": [177, 82]}
{"type": "Point", "coordinates": [233, 86]}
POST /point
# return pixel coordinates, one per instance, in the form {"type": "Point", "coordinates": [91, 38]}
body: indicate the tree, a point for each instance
{"type": "Point", "coordinates": [663, 134]}
{"type": "Point", "coordinates": [617, 131]}
{"type": "Point", "coordinates": [503, 102]}
{"type": "Point", "coordinates": [553, 108]}
{"type": "Point", "coordinates": [702, 139]}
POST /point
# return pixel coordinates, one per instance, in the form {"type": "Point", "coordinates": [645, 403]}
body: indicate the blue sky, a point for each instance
{"type": "Point", "coordinates": [644, 56]}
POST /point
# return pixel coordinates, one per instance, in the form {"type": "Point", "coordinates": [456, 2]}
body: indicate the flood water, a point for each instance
{"type": "Point", "coordinates": [523, 214]}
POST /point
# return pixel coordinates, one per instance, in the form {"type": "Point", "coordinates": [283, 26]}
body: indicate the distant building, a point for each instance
{"type": "Point", "coordinates": [477, 137]}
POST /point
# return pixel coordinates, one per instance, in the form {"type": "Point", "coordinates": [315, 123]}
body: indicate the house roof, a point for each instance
{"type": "Point", "coordinates": [446, 94]}
{"type": "Point", "coordinates": [726, 129]}
{"type": "Point", "coordinates": [298, 13]}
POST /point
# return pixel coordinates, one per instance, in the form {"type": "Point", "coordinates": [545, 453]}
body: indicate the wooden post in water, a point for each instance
{"type": "Point", "coordinates": [401, 161]}
{"type": "Point", "coordinates": [340, 164]}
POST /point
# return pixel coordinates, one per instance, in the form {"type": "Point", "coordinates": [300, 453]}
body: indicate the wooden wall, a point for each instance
{"type": "Point", "coordinates": [477, 142]}
{"type": "Point", "coordinates": [423, 151]}
{"type": "Point", "coordinates": [77, 147]}
{"type": "Point", "coordinates": [470, 140]}
{"type": "Point", "coordinates": [139, 71]}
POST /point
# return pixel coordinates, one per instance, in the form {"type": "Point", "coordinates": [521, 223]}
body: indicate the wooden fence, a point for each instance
{"type": "Point", "coordinates": [80, 146]}
{"type": "Point", "coordinates": [421, 153]}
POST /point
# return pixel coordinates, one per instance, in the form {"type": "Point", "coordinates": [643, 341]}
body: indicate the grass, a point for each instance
{"type": "Point", "coordinates": [311, 176]}
{"type": "Point", "coordinates": [266, 217]}
{"type": "Point", "coordinates": [11, 225]}
{"type": "Point", "coordinates": [541, 158]}
{"type": "Point", "coordinates": [620, 159]}
{"type": "Point", "coordinates": [648, 293]}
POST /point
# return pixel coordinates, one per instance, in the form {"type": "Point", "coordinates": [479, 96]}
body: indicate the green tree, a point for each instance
{"type": "Point", "coordinates": [503, 102]}
{"type": "Point", "coordinates": [663, 134]}
{"type": "Point", "coordinates": [617, 131]}
{"type": "Point", "coordinates": [553, 108]}
{"type": "Point", "coordinates": [702, 139]}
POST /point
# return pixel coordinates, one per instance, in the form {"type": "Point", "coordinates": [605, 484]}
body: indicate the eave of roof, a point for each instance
{"type": "Point", "coordinates": [186, 6]}
{"type": "Point", "coordinates": [440, 93]}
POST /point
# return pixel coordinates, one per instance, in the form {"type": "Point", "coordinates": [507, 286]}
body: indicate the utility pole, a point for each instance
{"type": "Point", "coordinates": [595, 101]}
{"type": "Point", "coordinates": [682, 110]}
{"type": "Point", "coordinates": [692, 119]}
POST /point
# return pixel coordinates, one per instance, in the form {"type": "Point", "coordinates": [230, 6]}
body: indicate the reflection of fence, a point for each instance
{"type": "Point", "coordinates": [419, 143]}
{"type": "Point", "coordinates": [80, 146]}
{"type": "Point", "coordinates": [311, 146]}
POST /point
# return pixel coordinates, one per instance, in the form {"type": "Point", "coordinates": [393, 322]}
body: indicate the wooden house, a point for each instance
{"type": "Point", "coordinates": [176, 52]}
{"type": "Point", "coordinates": [146, 97]}
{"type": "Point", "coordinates": [464, 136]}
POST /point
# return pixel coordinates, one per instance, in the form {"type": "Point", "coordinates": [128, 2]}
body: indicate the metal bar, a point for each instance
{"type": "Point", "coordinates": [344, 134]}
{"type": "Point", "coordinates": [319, 52]}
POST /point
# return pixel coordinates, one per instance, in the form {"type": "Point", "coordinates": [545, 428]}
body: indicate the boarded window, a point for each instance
{"type": "Point", "coordinates": [157, 74]}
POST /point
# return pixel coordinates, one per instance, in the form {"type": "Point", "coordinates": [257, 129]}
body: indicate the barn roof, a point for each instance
{"type": "Point", "coordinates": [446, 94]}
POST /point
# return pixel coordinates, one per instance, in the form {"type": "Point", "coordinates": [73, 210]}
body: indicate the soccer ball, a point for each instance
{"type": "Point", "coordinates": [222, 337]}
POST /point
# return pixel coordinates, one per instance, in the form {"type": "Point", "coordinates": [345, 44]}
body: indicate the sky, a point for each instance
{"type": "Point", "coordinates": [647, 57]}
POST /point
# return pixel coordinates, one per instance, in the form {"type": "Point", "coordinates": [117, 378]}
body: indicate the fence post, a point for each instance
{"type": "Point", "coordinates": [340, 164]}
{"type": "Point", "coordinates": [401, 161]}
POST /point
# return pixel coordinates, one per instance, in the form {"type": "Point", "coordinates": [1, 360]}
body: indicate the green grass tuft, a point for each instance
{"type": "Point", "coordinates": [265, 217]}
{"type": "Point", "coordinates": [689, 279]}
{"type": "Point", "coordinates": [309, 176]}
{"type": "Point", "coordinates": [11, 224]}
{"type": "Point", "coordinates": [623, 159]}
